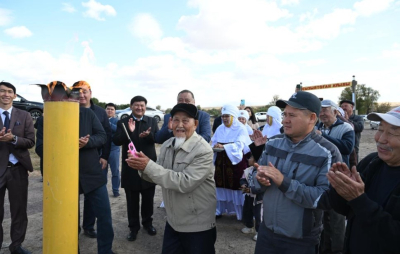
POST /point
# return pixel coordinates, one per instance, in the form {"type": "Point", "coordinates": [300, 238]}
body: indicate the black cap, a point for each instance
{"type": "Point", "coordinates": [302, 100]}
{"type": "Point", "coordinates": [189, 109]}
{"type": "Point", "coordinates": [346, 101]}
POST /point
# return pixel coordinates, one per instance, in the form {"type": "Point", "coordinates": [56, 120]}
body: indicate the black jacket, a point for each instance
{"type": "Point", "coordinates": [364, 215]}
{"type": "Point", "coordinates": [91, 176]}
{"type": "Point", "coordinates": [130, 178]}
{"type": "Point", "coordinates": [103, 118]}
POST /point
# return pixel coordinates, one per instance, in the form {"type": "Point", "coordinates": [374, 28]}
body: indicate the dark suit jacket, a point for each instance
{"type": "Point", "coordinates": [130, 178]}
{"type": "Point", "coordinates": [103, 118]}
{"type": "Point", "coordinates": [91, 175]}
{"type": "Point", "coordinates": [203, 129]}
{"type": "Point", "coordinates": [21, 125]}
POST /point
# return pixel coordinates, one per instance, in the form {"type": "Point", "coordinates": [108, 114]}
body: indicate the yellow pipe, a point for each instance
{"type": "Point", "coordinates": [61, 177]}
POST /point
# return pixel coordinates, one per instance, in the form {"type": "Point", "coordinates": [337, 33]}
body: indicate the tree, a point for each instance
{"type": "Point", "coordinates": [158, 107]}
{"type": "Point", "coordinates": [198, 107]}
{"type": "Point", "coordinates": [275, 98]}
{"type": "Point", "coordinates": [365, 97]}
{"type": "Point", "coordinates": [168, 110]}
{"type": "Point", "coordinates": [382, 107]}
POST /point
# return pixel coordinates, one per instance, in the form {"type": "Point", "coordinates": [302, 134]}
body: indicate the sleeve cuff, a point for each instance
{"type": "Point", "coordinates": [285, 184]}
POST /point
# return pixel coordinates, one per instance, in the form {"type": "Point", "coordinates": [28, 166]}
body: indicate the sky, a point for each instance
{"type": "Point", "coordinates": [222, 50]}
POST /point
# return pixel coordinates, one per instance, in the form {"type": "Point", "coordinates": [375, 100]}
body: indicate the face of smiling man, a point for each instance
{"type": "Point", "coordinates": [7, 96]}
{"type": "Point", "coordinates": [183, 126]}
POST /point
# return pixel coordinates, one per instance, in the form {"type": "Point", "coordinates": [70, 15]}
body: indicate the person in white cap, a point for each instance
{"type": "Point", "coordinates": [369, 194]}
{"type": "Point", "coordinates": [233, 139]}
{"type": "Point", "coordinates": [243, 117]}
{"type": "Point", "coordinates": [274, 122]}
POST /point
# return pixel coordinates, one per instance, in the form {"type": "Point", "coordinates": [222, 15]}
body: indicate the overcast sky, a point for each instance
{"type": "Point", "coordinates": [222, 50]}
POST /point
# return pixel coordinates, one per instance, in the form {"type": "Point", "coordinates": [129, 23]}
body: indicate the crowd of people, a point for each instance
{"type": "Point", "coordinates": [293, 184]}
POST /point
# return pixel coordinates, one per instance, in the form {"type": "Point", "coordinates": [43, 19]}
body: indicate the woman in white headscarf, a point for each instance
{"type": "Point", "coordinates": [232, 139]}
{"type": "Point", "coordinates": [243, 117]}
{"type": "Point", "coordinates": [274, 122]}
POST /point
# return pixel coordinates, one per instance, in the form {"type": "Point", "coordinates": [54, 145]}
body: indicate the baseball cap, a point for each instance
{"type": "Point", "coordinates": [328, 103]}
{"type": "Point", "coordinates": [302, 100]}
{"type": "Point", "coordinates": [189, 109]}
{"type": "Point", "coordinates": [346, 101]}
{"type": "Point", "coordinates": [392, 117]}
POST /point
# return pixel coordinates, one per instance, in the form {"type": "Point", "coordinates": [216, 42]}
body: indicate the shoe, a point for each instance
{"type": "Point", "coordinates": [116, 195]}
{"type": "Point", "coordinates": [132, 236]}
{"type": "Point", "coordinates": [151, 230]}
{"type": "Point", "coordinates": [247, 230]}
{"type": "Point", "coordinates": [90, 233]}
{"type": "Point", "coordinates": [255, 237]}
{"type": "Point", "coordinates": [21, 250]}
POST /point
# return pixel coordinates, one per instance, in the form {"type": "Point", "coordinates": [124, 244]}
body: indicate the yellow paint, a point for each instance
{"type": "Point", "coordinates": [61, 177]}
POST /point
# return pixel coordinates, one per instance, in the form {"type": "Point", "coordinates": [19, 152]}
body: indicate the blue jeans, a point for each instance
{"type": "Point", "coordinates": [113, 161]}
{"type": "Point", "coordinates": [188, 242]}
{"type": "Point", "coordinates": [100, 206]}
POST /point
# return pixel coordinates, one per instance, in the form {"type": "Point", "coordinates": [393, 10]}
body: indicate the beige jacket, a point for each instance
{"type": "Point", "coordinates": [187, 180]}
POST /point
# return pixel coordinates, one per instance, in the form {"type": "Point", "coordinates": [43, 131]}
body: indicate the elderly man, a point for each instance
{"type": "Point", "coordinates": [356, 120]}
{"type": "Point", "coordinates": [292, 172]}
{"type": "Point", "coordinates": [203, 128]}
{"type": "Point", "coordinates": [232, 139]}
{"type": "Point", "coordinates": [85, 100]}
{"type": "Point", "coordinates": [16, 137]}
{"type": "Point", "coordinates": [185, 172]}
{"type": "Point", "coordinates": [370, 200]}
{"type": "Point", "coordinates": [141, 130]}
{"type": "Point", "coordinates": [341, 134]}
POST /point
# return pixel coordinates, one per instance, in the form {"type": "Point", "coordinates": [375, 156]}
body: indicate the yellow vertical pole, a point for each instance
{"type": "Point", "coordinates": [61, 177]}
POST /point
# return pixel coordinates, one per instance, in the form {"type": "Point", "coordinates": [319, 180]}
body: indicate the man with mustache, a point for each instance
{"type": "Point", "coordinates": [369, 194]}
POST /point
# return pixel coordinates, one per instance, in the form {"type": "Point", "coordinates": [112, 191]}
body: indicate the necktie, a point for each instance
{"type": "Point", "coordinates": [6, 120]}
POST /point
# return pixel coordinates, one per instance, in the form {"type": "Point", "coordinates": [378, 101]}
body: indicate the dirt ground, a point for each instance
{"type": "Point", "coordinates": [230, 240]}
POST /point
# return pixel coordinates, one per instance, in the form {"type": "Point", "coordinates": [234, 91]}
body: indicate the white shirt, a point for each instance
{"type": "Point", "coordinates": [11, 157]}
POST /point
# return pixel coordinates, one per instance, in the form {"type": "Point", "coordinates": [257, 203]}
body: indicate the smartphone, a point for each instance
{"type": "Point", "coordinates": [242, 102]}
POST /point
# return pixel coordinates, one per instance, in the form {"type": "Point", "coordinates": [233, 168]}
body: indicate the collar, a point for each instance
{"type": "Point", "coordinates": [9, 111]}
{"type": "Point", "coordinates": [137, 119]}
{"type": "Point", "coordinates": [333, 124]}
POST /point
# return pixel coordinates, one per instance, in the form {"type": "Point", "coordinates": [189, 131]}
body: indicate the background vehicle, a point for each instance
{"type": "Point", "coordinates": [34, 108]}
{"type": "Point", "coordinates": [261, 116]}
{"type": "Point", "coordinates": [152, 112]}
{"type": "Point", "coordinates": [374, 124]}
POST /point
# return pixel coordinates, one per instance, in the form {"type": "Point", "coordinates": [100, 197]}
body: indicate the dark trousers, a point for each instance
{"type": "Point", "coordinates": [89, 218]}
{"type": "Point", "coordinates": [332, 239]}
{"type": "Point", "coordinates": [133, 205]}
{"type": "Point", "coordinates": [251, 211]}
{"type": "Point", "coordinates": [271, 243]}
{"type": "Point", "coordinates": [188, 243]}
{"type": "Point", "coordinates": [98, 199]}
{"type": "Point", "coordinates": [15, 180]}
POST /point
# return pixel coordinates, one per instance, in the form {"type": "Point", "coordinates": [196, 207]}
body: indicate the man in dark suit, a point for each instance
{"type": "Point", "coordinates": [17, 135]}
{"type": "Point", "coordinates": [142, 130]}
{"type": "Point", "coordinates": [203, 129]}
{"type": "Point", "coordinates": [85, 100]}
{"type": "Point", "coordinates": [92, 182]}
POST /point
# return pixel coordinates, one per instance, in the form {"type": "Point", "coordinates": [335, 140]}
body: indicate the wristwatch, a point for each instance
{"type": "Point", "coordinates": [14, 139]}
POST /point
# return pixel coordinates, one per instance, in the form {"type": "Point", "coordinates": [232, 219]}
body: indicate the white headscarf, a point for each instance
{"type": "Point", "coordinates": [244, 113]}
{"type": "Point", "coordinates": [230, 110]}
{"type": "Point", "coordinates": [274, 128]}
{"type": "Point", "coordinates": [235, 137]}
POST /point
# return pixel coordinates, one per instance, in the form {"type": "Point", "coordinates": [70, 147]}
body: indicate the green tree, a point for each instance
{"type": "Point", "coordinates": [158, 107]}
{"type": "Point", "coordinates": [198, 107]}
{"type": "Point", "coordinates": [168, 110]}
{"type": "Point", "coordinates": [365, 97]}
{"type": "Point", "coordinates": [275, 98]}
{"type": "Point", "coordinates": [382, 107]}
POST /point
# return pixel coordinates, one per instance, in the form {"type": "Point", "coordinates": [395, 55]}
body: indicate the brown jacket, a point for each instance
{"type": "Point", "coordinates": [21, 125]}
